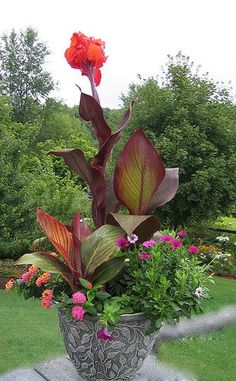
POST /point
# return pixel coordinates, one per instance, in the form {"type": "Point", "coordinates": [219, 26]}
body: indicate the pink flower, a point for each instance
{"type": "Point", "coordinates": [193, 249]}
{"type": "Point", "coordinates": [143, 256]}
{"type": "Point", "coordinates": [79, 297]}
{"type": "Point", "coordinates": [26, 277]}
{"type": "Point", "coordinates": [122, 243]}
{"type": "Point", "coordinates": [132, 238]}
{"type": "Point", "coordinates": [78, 312]}
{"type": "Point", "coordinates": [149, 243]}
{"type": "Point", "coordinates": [175, 243]}
{"type": "Point", "coordinates": [104, 334]}
{"type": "Point", "coordinates": [182, 234]}
{"type": "Point", "coordinates": [46, 301]}
{"type": "Point", "coordinates": [166, 238]}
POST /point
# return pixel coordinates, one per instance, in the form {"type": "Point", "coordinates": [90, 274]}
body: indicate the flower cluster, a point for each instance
{"type": "Point", "coordinates": [222, 239]}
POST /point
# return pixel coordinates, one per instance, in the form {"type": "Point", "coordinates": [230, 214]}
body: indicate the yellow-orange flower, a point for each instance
{"type": "Point", "coordinates": [33, 269]}
{"type": "Point", "coordinates": [43, 279]}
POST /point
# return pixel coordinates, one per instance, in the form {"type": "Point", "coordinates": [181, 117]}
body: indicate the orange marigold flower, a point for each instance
{"type": "Point", "coordinates": [86, 54]}
{"type": "Point", "coordinates": [9, 285]}
{"type": "Point", "coordinates": [43, 279]}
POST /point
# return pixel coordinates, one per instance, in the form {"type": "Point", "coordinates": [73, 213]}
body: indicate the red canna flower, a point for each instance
{"type": "Point", "coordinates": [87, 55]}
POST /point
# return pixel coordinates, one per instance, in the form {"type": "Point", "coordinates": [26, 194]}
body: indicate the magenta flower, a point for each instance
{"type": "Point", "coordinates": [104, 334]}
{"type": "Point", "coordinates": [26, 277]}
{"type": "Point", "coordinates": [175, 243]}
{"type": "Point", "coordinates": [149, 243]}
{"type": "Point", "coordinates": [122, 243]}
{"type": "Point", "coordinates": [78, 312]}
{"type": "Point", "coordinates": [132, 238]}
{"type": "Point", "coordinates": [193, 249]}
{"type": "Point", "coordinates": [78, 297]}
{"type": "Point", "coordinates": [143, 256]}
{"type": "Point", "coordinates": [182, 234]}
{"type": "Point", "coordinates": [166, 238]}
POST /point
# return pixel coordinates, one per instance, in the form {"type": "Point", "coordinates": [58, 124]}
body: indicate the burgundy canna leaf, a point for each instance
{"type": "Point", "coordinates": [57, 233]}
{"type": "Point", "coordinates": [143, 226]}
{"type": "Point", "coordinates": [100, 159]}
{"type": "Point", "coordinates": [91, 111]}
{"type": "Point", "coordinates": [166, 190]}
{"type": "Point", "coordinates": [112, 204]}
{"type": "Point", "coordinates": [76, 160]}
{"type": "Point", "coordinates": [138, 173]}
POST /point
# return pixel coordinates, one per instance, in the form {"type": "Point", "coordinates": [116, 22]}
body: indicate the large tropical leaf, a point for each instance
{"type": "Point", "coordinates": [166, 191]}
{"type": "Point", "coordinates": [49, 263]}
{"type": "Point", "coordinates": [91, 111]}
{"type": "Point", "coordinates": [98, 247]}
{"type": "Point", "coordinates": [138, 173]}
{"type": "Point", "coordinates": [108, 270]}
{"type": "Point", "coordinates": [143, 226]}
{"type": "Point", "coordinates": [57, 233]}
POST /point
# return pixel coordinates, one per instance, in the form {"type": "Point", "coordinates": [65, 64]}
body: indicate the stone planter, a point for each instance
{"type": "Point", "coordinates": [98, 360]}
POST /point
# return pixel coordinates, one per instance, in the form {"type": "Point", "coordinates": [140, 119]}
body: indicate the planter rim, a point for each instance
{"type": "Point", "coordinates": [124, 317]}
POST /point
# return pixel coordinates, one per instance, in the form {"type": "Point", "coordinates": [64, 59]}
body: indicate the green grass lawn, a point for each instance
{"type": "Point", "coordinates": [226, 223]}
{"type": "Point", "coordinates": [29, 334]}
{"type": "Point", "coordinates": [211, 357]}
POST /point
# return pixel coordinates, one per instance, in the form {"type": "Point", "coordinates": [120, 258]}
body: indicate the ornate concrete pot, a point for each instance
{"type": "Point", "coordinates": [98, 360]}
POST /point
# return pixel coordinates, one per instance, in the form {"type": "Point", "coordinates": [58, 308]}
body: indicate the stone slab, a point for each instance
{"type": "Point", "coordinates": [61, 369]}
{"type": "Point", "coordinates": [22, 375]}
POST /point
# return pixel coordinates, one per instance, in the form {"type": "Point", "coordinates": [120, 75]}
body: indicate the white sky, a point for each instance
{"type": "Point", "coordinates": [138, 35]}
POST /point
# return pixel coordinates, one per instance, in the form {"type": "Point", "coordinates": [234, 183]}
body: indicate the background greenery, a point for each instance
{"type": "Point", "coordinates": [190, 118]}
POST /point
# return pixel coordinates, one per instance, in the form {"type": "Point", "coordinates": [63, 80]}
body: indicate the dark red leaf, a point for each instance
{"type": "Point", "coordinates": [100, 159]}
{"type": "Point", "coordinates": [91, 111]}
{"type": "Point", "coordinates": [166, 190]}
{"type": "Point", "coordinates": [143, 226]}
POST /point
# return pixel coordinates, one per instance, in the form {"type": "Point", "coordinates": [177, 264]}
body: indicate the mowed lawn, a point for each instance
{"type": "Point", "coordinates": [29, 334]}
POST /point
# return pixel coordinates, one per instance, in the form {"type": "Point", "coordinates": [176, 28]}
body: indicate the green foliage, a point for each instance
{"type": "Point", "coordinates": [30, 179]}
{"type": "Point", "coordinates": [22, 75]}
{"type": "Point", "coordinates": [192, 121]}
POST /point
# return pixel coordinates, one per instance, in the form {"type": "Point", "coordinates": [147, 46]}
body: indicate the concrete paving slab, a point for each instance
{"type": "Point", "coordinates": [22, 375]}
{"type": "Point", "coordinates": [61, 369]}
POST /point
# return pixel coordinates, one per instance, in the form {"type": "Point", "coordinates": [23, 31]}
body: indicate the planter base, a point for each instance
{"type": "Point", "coordinates": [61, 369]}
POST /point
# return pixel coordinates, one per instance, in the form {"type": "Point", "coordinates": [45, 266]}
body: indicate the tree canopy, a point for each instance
{"type": "Point", "coordinates": [193, 123]}
{"type": "Point", "coordinates": [22, 73]}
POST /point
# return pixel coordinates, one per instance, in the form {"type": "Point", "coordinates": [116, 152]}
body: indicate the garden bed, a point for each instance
{"type": "Point", "coordinates": [8, 270]}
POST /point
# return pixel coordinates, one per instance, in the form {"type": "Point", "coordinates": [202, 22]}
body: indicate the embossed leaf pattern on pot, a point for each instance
{"type": "Point", "coordinates": [117, 360]}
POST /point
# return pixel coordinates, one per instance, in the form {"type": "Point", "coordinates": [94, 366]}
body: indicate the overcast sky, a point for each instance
{"type": "Point", "coordinates": [138, 35]}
